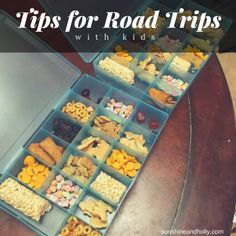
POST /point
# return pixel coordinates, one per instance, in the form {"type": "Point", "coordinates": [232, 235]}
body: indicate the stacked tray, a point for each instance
{"type": "Point", "coordinates": [176, 60]}
{"type": "Point", "coordinates": [99, 159]}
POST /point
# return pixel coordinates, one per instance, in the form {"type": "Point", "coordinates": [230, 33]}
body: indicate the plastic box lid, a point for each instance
{"type": "Point", "coordinates": [30, 86]}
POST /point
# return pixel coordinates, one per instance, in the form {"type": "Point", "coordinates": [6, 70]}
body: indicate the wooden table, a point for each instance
{"type": "Point", "coordinates": [189, 180]}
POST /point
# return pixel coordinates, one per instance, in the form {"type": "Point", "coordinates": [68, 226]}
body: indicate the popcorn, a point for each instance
{"type": "Point", "coordinates": [108, 187]}
{"type": "Point", "coordinates": [118, 70]}
{"type": "Point", "coordinates": [23, 199]}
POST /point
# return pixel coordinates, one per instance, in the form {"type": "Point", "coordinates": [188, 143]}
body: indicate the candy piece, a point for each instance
{"type": "Point", "coordinates": [140, 117]}
{"type": "Point", "coordinates": [58, 179]}
{"type": "Point", "coordinates": [29, 160]}
{"type": "Point", "coordinates": [153, 124]}
{"type": "Point", "coordinates": [63, 192]}
{"type": "Point", "coordinates": [85, 93]}
{"type": "Point", "coordinates": [119, 108]}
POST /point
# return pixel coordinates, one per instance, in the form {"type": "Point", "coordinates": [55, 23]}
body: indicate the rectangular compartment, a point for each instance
{"type": "Point", "coordinates": [79, 223]}
{"type": "Point", "coordinates": [62, 126]}
{"type": "Point", "coordinates": [87, 132]}
{"type": "Point", "coordinates": [115, 175]}
{"type": "Point", "coordinates": [116, 108]}
{"type": "Point", "coordinates": [17, 167]}
{"type": "Point", "coordinates": [115, 81]}
{"type": "Point", "coordinates": [148, 136]}
{"type": "Point", "coordinates": [40, 135]}
{"type": "Point", "coordinates": [213, 35]}
{"type": "Point", "coordinates": [81, 118]}
{"type": "Point", "coordinates": [72, 151]}
{"type": "Point", "coordinates": [171, 40]}
{"type": "Point", "coordinates": [188, 62]}
{"type": "Point", "coordinates": [47, 225]}
{"type": "Point", "coordinates": [149, 115]}
{"type": "Point", "coordinates": [118, 44]}
{"type": "Point", "coordinates": [47, 190]}
{"type": "Point", "coordinates": [174, 83]}
{"type": "Point", "coordinates": [125, 161]}
{"type": "Point", "coordinates": [146, 68]}
{"type": "Point", "coordinates": [147, 10]}
{"type": "Point", "coordinates": [110, 216]}
{"type": "Point", "coordinates": [97, 89]}
{"type": "Point", "coordinates": [161, 58]}
{"type": "Point", "coordinates": [102, 112]}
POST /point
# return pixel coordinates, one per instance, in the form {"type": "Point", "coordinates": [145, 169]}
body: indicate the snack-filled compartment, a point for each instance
{"type": "Point", "coordinates": [62, 126]}
{"type": "Point", "coordinates": [77, 107]}
{"type": "Point", "coordinates": [173, 83]}
{"type": "Point", "coordinates": [118, 75]}
{"type": "Point", "coordinates": [171, 40]}
{"type": "Point", "coordinates": [190, 60]}
{"type": "Point", "coordinates": [149, 117]}
{"type": "Point", "coordinates": [138, 139]}
{"type": "Point", "coordinates": [136, 42]}
{"type": "Point", "coordinates": [158, 96]}
{"type": "Point", "coordinates": [96, 212]}
{"type": "Point", "coordinates": [108, 123]}
{"type": "Point", "coordinates": [46, 147]}
{"type": "Point", "coordinates": [90, 88]}
{"type": "Point", "coordinates": [77, 165]}
{"type": "Point", "coordinates": [114, 71]}
{"type": "Point", "coordinates": [62, 190]}
{"type": "Point", "coordinates": [119, 103]}
{"type": "Point", "coordinates": [150, 10]}
{"type": "Point", "coordinates": [93, 143]}
{"type": "Point", "coordinates": [30, 207]}
{"type": "Point", "coordinates": [73, 225]}
{"type": "Point", "coordinates": [29, 170]}
{"type": "Point", "coordinates": [123, 50]}
{"type": "Point", "coordinates": [125, 161]}
{"type": "Point", "coordinates": [109, 185]}
{"type": "Point", "coordinates": [161, 58]}
{"type": "Point", "coordinates": [146, 67]}
{"type": "Point", "coordinates": [207, 29]}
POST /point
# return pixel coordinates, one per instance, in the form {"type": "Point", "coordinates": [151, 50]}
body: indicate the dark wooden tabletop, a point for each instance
{"type": "Point", "coordinates": [189, 179]}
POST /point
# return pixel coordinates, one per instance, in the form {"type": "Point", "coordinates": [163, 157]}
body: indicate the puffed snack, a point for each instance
{"type": "Point", "coordinates": [23, 199]}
